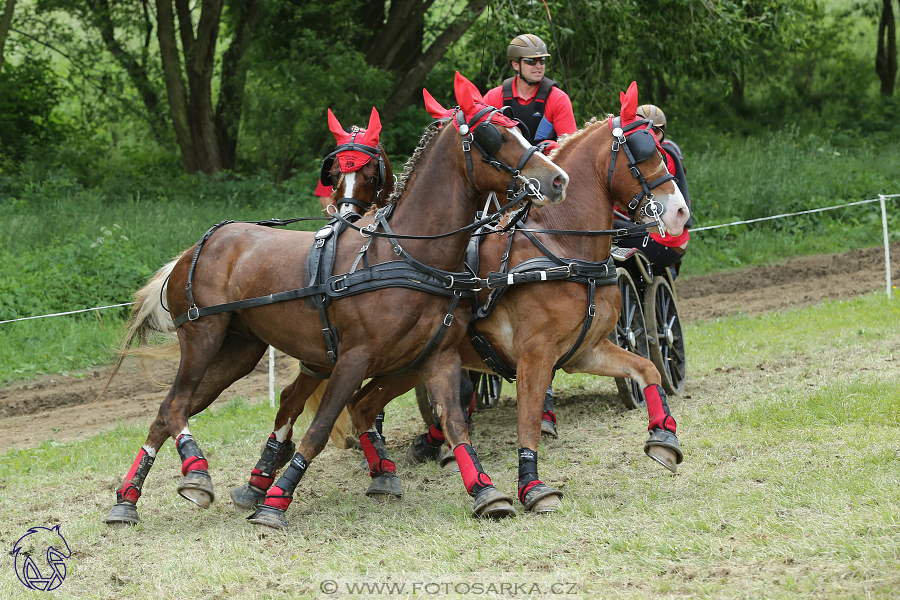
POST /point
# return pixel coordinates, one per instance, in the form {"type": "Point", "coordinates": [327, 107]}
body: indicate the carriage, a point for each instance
{"type": "Point", "coordinates": [649, 324]}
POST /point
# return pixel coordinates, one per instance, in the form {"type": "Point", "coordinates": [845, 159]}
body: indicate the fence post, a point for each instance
{"type": "Point", "coordinates": [887, 246]}
{"type": "Point", "coordinates": [271, 376]}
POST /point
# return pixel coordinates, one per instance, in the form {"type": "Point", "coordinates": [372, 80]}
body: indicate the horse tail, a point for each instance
{"type": "Point", "coordinates": [149, 323]}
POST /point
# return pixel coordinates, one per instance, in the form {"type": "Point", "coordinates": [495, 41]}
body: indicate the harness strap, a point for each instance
{"type": "Point", "coordinates": [585, 327]}
{"type": "Point", "coordinates": [195, 313]}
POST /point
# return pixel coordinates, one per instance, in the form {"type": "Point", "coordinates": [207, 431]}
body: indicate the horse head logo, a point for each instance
{"type": "Point", "coordinates": [37, 543]}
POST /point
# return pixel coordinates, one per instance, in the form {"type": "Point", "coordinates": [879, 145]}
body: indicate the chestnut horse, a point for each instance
{"type": "Point", "coordinates": [537, 328]}
{"type": "Point", "coordinates": [243, 264]}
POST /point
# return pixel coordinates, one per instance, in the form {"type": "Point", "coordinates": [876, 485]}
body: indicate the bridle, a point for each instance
{"type": "Point", "coordinates": [639, 144]}
{"type": "Point", "coordinates": [487, 139]}
{"type": "Point", "coordinates": [372, 151]}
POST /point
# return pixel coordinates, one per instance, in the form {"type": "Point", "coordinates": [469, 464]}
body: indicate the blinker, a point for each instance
{"type": "Point", "coordinates": [642, 145]}
{"type": "Point", "coordinates": [325, 173]}
{"type": "Point", "coordinates": [488, 137]}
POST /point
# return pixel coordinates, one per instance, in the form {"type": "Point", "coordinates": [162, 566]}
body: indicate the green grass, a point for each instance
{"type": "Point", "coordinates": [789, 489]}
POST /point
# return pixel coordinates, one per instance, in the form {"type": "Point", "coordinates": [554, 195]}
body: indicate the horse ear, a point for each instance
{"type": "Point", "coordinates": [466, 94]}
{"type": "Point", "coordinates": [433, 107]}
{"type": "Point", "coordinates": [335, 127]}
{"type": "Point", "coordinates": [629, 101]}
{"type": "Point", "coordinates": [374, 127]}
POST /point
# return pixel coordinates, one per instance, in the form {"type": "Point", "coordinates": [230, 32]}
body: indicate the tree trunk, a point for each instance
{"type": "Point", "coordinates": [168, 48]}
{"type": "Point", "coordinates": [410, 79]}
{"type": "Point", "coordinates": [199, 66]}
{"type": "Point", "coordinates": [136, 72]}
{"type": "Point", "coordinates": [5, 23]}
{"type": "Point", "coordinates": [886, 57]}
{"type": "Point", "coordinates": [234, 78]}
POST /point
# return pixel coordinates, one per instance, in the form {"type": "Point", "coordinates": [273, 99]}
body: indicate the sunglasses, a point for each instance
{"type": "Point", "coordinates": [534, 61]}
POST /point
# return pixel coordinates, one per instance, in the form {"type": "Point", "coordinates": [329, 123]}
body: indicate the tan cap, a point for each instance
{"type": "Point", "coordinates": [526, 45]}
{"type": "Point", "coordinates": [650, 111]}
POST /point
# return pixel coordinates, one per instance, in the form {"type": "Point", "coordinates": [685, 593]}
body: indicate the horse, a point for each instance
{"type": "Point", "coordinates": [534, 329]}
{"type": "Point", "coordinates": [229, 315]}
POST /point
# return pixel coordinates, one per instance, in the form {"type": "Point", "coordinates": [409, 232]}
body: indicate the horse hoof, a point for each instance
{"type": "Point", "coordinates": [269, 516]}
{"type": "Point", "coordinates": [123, 514]}
{"type": "Point", "coordinates": [663, 447]}
{"type": "Point", "coordinates": [197, 487]}
{"type": "Point", "coordinates": [246, 497]}
{"type": "Point", "coordinates": [548, 428]}
{"type": "Point", "coordinates": [542, 499]}
{"type": "Point", "coordinates": [420, 451]}
{"type": "Point", "coordinates": [385, 487]}
{"type": "Point", "coordinates": [287, 453]}
{"type": "Point", "coordinates": [448, 461]}
{"type": "Point", "coordinates": [490, 503]}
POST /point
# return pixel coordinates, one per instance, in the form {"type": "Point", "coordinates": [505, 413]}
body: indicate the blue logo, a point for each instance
{"type": "Point", "coordinates": [44, 545]}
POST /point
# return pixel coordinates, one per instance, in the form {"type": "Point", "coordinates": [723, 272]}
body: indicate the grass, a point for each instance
{"type": "Point", "coordinates": [789, 489]}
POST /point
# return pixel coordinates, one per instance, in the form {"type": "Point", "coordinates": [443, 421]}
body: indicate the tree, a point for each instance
{"type": "Point", "coordinates": [886, 53]}
{"type": "Point", "coordinates": [5, 23]}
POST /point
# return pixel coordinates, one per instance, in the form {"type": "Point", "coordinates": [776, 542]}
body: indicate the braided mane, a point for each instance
{"type": "Point", "coordinates": [410, 165]}
{"type": "Point", "coordinates": [569, 137]}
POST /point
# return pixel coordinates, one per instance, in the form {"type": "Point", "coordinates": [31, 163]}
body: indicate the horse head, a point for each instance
{"type": "Point", "coordinates": [638, 181]}
{"type": "Point", "coordinates": [493, 152]}
{"type": "Point", "coordinates": [358, 170]}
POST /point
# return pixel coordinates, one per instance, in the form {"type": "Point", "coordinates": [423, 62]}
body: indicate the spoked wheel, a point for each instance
{"type": "Point", "coordinates": [488, 390]}
{"type": "Point", "coordinates": [667, 341]}
{"type": "Point", "coordinates": [631, 334]}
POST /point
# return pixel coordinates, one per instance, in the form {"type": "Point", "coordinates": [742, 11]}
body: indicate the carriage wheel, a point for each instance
{"type": "Point", "coordinates": [488, 390]}
{"type": "Point", "coordinates": [631, 334]}
{"type": "Point", "coordinates": [667, 341]}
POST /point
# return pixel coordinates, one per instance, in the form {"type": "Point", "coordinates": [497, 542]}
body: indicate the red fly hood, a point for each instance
{"type": "Point", "coordinates": [470, 102]}
{"type": "Point", "coordinates": [629, 100]}
{"type": "Point", "coordinates": [351, 160]}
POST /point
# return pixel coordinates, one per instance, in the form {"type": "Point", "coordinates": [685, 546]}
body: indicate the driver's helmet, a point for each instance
{"type": "Point", "coordinates": [526, 45]}
{"type": "Point", "coordinates": [657, 117]}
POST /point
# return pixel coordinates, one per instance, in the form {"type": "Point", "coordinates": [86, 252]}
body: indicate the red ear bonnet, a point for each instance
{"type": "Point", "coordinates": [351, 160]}
{"type": "Point", "coordinates": [434, 107]}
{"type": "Point", "coordinates": [629, 101]}
{"type": "Point", "coordinates": [470, 102]}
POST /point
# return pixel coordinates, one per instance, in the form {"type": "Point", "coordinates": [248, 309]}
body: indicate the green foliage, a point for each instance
{"type": "Point", "coordinates": [29, 95]}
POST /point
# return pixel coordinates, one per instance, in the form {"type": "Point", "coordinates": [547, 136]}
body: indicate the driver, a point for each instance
{"type": "Point", "coordinates": [535, 100]}
{"type": "Point", "coordinates": [661, 251]}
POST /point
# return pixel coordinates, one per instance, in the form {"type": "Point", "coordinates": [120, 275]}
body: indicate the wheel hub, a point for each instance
{"type": "Point", "coordinates": [670, 336]}
{"type": "Point", "coordinates": [632, 340]}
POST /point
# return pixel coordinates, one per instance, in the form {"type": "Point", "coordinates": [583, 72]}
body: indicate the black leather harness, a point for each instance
{"type": "Point", "coordinates": [547, 268]}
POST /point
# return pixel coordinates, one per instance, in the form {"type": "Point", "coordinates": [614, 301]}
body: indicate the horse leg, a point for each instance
{"type": "Point", "coordinates": [534, 373]}
{"type": "Point", "coordinates": [365, 407]}
{"type": "Point", "coordinates": [346, 377]}
{"type": "Point", "coordinates": [608, 360]}
{"type": "Point", "coordinates": [233, 361]}
{"type": "Point", "coordinates": [427, 446]}
{"type": "Point", "coordinates": [278, 447]}
{"type": "Point", "coordinates": [441, 375]}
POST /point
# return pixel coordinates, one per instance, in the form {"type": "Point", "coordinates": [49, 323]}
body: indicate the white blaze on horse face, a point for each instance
{"type": "Point", "coordinates": [349, 180]}
{"type": "Point", "coordinates": [676, 211]}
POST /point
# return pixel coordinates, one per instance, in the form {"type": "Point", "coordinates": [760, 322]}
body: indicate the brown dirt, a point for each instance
{"type": "Point", "coordinates": [60, 407]}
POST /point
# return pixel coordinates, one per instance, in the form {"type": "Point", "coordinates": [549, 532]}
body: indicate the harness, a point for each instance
{"type": "Point", "coordinates": [639, 144]}
{"type": "Point", "coordinates": [547, 268]}
{"type": "Point", "coordinates": [323, 286]}
{"type": "Point", "coordinates": [530, 114]}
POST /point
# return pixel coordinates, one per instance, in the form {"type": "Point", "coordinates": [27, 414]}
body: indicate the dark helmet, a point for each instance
{"type": "Point", "coordinates": [526, 45]}
{"type": "Point", "coordinates": [655, 114]}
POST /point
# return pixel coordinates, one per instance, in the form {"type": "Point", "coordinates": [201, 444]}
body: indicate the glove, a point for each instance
{"type": "Point", "coordinates": [548, 146]}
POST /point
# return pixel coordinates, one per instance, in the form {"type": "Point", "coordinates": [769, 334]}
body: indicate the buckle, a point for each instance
{"type": "Point", "coordinates": [334, 285]}
{"type": "Point", "coordinates": [448, 318]}
{"type": "Point", "coordinates": [193, 310]}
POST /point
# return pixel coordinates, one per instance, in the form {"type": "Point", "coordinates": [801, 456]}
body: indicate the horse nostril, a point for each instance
{"type": "Point", "coordinates": [557, 184]}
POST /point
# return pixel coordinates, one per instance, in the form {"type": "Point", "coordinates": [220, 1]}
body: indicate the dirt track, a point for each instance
{"type": "Point", "coordinates": [56, 407]}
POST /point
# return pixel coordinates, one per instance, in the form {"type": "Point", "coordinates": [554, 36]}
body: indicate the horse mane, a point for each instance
{"type": "Point", "coordinates": [410, 165]}
{"type": "Point", "coordinates": [571, 137]}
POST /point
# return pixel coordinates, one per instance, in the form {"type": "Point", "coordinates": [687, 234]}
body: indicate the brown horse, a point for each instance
{"type": "Point", "coordinates": [245, 263]}
{"type": "Point", "coordinates": [536, 328]}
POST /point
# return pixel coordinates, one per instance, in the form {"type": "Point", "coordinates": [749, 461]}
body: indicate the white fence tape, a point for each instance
{"type": "Point", "coordinates": [887, 262]}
